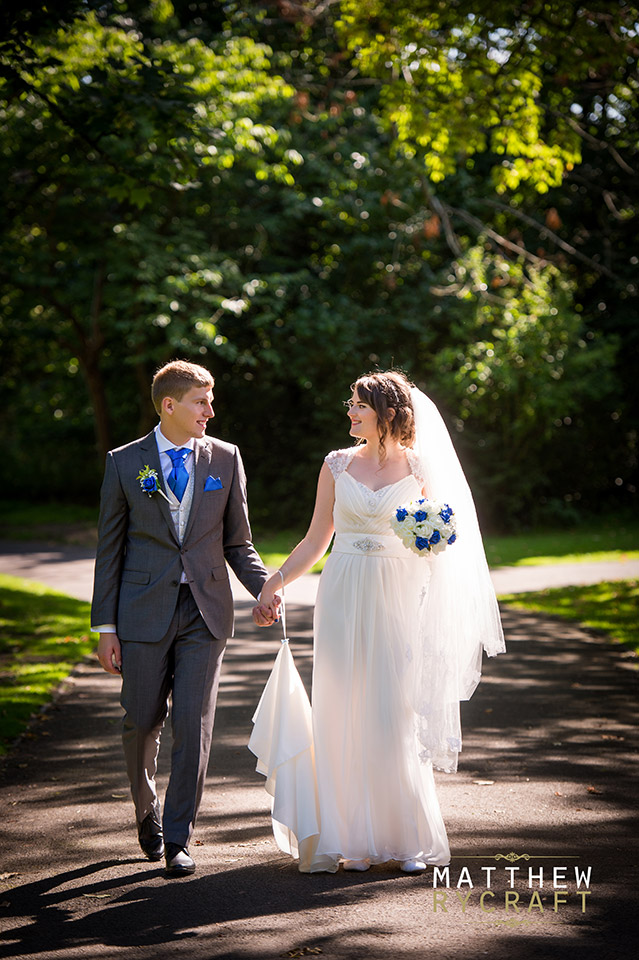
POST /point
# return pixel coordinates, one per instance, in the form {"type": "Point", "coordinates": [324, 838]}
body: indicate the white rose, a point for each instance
{"type": "Point", "coordinates": [424, 529]}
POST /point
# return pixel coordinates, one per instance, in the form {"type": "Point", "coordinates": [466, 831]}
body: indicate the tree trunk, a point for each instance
{"type": "Point", "coordinates": [148, 416]}
{"type": "Point", "coordinates": [90, 360]}
{"type": "Point", "coordinates": [101, 415]}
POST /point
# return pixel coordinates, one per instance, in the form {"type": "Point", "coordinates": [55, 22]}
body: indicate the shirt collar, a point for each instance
{"type": "Point", "coordinates": [164, 444]}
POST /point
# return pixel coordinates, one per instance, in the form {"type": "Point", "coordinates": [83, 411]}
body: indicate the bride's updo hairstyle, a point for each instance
{"type": "Point", "coordinates": [386, 392]}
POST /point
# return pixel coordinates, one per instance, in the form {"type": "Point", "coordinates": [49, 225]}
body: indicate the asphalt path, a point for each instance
{"type": "Point", "coordinates": [547, 784]}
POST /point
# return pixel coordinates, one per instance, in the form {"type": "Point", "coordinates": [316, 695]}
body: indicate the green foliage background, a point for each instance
{"type": "Point", "coordinates": [293, 193]}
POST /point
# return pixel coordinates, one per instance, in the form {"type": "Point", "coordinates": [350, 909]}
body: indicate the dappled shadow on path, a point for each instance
{"type": "Point", "coordinates": [561, 705]}
{"type": "Point", "coordinates": [212, 916]}
{"type": "Point", "coordinates": [553, 718]}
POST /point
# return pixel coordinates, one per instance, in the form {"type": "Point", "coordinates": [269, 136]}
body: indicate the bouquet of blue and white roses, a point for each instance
{"type": "Point", "coordinates": [425, 526]}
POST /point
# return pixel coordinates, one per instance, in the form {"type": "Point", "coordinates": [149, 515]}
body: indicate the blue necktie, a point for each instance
{"type": "Point", "coordinates": [179, 475]}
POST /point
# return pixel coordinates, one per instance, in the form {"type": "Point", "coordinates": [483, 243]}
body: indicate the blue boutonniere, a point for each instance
{"type": "Point", "coordinates": [150, 483]}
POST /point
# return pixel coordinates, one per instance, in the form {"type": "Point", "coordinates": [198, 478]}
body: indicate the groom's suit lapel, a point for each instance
{"type": "Point", "coordinates": [151, 455]}
{"type": "Point", "coordinates": [202, 462]}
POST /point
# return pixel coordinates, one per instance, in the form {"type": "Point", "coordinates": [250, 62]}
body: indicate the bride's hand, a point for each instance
{"type": "Point", "coordinates": [265, 614]}
{"type": "Point", "coordinates": [266, 611]}
{"type": "Point", "coordinates": [268, 596]}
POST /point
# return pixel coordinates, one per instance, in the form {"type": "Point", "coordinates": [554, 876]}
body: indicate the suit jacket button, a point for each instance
{"type": "Point", "coordinates": [175, 583]}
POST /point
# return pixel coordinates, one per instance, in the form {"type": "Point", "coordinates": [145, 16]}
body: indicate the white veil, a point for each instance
{"type": "Point", "coordinates": [459, 616]}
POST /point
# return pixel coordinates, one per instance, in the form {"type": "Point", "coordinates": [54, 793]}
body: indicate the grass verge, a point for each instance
{"type": "Point", "coordinates": [43, 635]}
{"type": "Point", "coordinates": [54, 522]}
{"type": "Point", "coordinates": [608, 539]}
{"type": "Point", "coordinates": [612, 606]}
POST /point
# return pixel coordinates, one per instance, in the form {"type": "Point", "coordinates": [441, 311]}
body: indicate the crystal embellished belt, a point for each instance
{"type": "Point", "coordinates": [376, 545]}
{"type": "Point", "coordinates": [367, 544]}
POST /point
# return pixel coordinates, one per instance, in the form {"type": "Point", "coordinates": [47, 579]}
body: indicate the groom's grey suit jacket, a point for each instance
{"type": "Point", "coordinates": [139, 559]}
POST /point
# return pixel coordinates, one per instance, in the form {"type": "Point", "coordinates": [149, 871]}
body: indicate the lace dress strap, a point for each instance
{"type": "Point", "coordinates": [416, 467]}
{"type": "Point", "coordinates": [338, 460]}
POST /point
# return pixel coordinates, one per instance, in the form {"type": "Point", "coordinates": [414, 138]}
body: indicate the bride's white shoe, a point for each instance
{"type": "Point", "coordinates": [356, 864]}
{"type": "Point", "coordinates": [412, 866]}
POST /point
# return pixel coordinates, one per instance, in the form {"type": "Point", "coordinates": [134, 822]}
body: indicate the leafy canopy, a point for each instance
{"type": "Point", "coordinates": [461, 78]}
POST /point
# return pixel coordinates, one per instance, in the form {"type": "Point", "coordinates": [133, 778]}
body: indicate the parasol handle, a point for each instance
{"type": "Point", "coordinates": [283, 610]}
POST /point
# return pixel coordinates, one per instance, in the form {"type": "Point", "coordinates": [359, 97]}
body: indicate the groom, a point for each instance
{"type": "Point", "coordinates": [172, 511]}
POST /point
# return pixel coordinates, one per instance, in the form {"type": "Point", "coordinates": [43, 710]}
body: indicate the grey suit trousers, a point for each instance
{"type": "Point", "coordinates": [185, 666]}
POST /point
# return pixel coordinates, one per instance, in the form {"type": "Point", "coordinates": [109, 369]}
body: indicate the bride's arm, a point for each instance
{"type": "Point", "coordinates": [315, 543]}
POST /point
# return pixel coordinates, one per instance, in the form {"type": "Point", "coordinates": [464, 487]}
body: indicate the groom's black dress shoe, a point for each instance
{"type": "Point", "coordinates": [178, 861]}
{"type": "Point", "coordinates": [150, 837]}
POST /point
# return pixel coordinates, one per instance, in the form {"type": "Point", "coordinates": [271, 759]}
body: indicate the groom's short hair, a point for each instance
{"type": "Point", "coordinates": [175, 379]}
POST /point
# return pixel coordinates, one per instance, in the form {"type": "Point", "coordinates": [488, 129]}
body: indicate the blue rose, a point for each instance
{"type": "Point", "coordinates": [420, 515]}
{"type": "Point", "coordinates": [422, 543]}
{"type": "Point", "coordinates": [401, 514]}
{"type": "Point", "coordinates": [149, 485]}
{"type": "Point", "coordinates": [452, 538]}
{"type": "Point", "coordinates": [436, 537]}
{"type": "Point", "coordinates": [446, 513]}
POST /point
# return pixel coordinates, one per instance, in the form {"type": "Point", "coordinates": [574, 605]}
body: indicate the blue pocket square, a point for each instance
{"type": "Point", "coordinates": [213, 483]}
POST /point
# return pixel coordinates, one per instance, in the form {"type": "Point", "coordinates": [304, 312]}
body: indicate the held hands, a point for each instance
{"type": "Point", "coordinates": [110, 653]}
{"type": "Point", "coordinates": [266, 612]}
{"type": "Point", "coordinates": [264, 616]}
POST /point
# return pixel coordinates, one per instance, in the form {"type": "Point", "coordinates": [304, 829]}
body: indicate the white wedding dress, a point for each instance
{"type": "Point", "coordinates": [346, 777]}
{"type": "Point", "coordinates": [376, 799]}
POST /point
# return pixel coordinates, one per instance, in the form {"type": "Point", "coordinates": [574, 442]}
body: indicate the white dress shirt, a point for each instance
{"type": "Point", "coordinates": [165, 461]}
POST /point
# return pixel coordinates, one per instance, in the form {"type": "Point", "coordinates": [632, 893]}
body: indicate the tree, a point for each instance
{"type": "Point", "coordinates": [109, 128]}
{"type": "Point", "coordinates": [230, 182]}
{"type": "Point", "coordinates": [542, 98]}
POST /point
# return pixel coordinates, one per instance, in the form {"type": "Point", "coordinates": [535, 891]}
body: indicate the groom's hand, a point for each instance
{"type": "Point", "coordinates": [264, 614]}
{"type": "Point", "coordinates": [110, 653]}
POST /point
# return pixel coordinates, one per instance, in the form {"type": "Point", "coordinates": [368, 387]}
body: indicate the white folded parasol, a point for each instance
{"type": "Point", "coordinates": [282, 741]}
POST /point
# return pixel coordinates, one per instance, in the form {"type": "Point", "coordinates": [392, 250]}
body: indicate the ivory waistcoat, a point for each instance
{"type": "Point", "coordinates": [180, 510]}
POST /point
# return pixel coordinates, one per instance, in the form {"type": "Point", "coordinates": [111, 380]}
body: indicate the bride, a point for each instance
{"type": "Point", "coordinates": [398, 637]}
